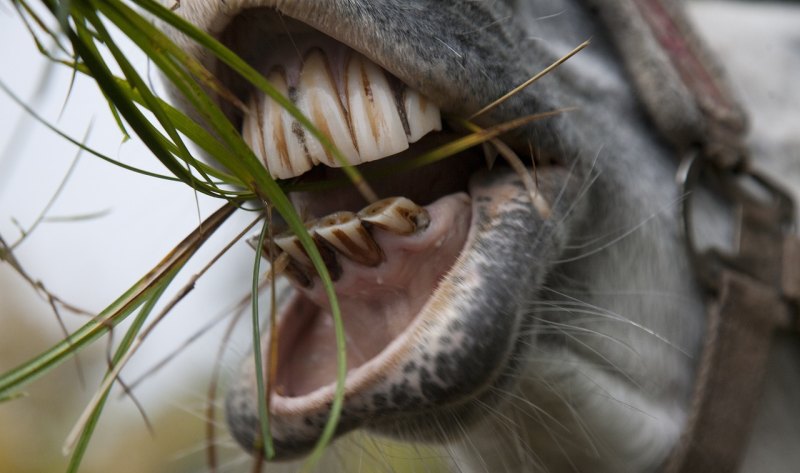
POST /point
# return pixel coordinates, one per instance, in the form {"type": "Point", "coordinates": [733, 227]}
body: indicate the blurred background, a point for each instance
{"type": "Point", "coordinates": [105, 229]}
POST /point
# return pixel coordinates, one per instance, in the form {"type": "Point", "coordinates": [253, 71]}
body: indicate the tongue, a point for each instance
{"type": "Point", "coordinates": [377, 303]}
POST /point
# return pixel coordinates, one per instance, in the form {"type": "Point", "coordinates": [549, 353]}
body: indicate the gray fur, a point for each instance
{"type": "Point", "coordinates": [594, 339]}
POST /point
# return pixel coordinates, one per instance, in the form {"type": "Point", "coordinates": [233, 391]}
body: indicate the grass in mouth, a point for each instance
{"type": "Point", "coordinates": [83, 32]}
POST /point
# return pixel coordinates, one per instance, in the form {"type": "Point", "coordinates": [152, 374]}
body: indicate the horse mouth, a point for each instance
{"type": "Point", "coordinates": [400, 266]}
{"type": "Point", "coordinates": [387, 258]}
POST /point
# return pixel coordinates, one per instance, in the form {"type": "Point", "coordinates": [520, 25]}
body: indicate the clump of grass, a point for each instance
{"type": "Point", "coordinates": [82, 32]}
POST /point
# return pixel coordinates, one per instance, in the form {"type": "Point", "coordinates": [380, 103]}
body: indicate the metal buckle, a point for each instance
{"type": "Point", "coordinates": [749, 191]}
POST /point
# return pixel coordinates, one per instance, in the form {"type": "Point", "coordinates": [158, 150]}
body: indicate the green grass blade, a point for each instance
{"type": "Point", "coordinates": [254, 77]}
{"type": "Point", "coordinates": [87, 50]}
{"type": "Point", "coordinates": [263, 414]}
{"type": "Point", "coordinates": [124, 346]}
{"type": "Point", "coordinates": [264, 183]}
{"type": "Point", "coordinates": [83, 43]}
{"type": "Point", "coordinates": [42, 25]}
{"type": "Point", "coordinates": [117, 311]}
{"type": "Point", "coordinates": [77, 143]}
{"type": "Point", "coordinates": [12, 396]}
{"type": "Point", "coordinates": [86, 32]}
{"type": "Point", "coordinates": [144, 35]}
{"type": "Point", "coordinates": [188, 127]}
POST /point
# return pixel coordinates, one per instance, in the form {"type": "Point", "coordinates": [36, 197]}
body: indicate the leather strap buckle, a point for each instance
{"type": "Point", "coordinates": [766, 247]}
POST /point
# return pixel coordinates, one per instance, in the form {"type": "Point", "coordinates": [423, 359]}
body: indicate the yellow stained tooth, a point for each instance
{"type": "Point", "coordinates": [299, 275]}
{"type": "Point", "coordinates": [293, 133]}
{"type": "Point", "coordinates": [268, 130]}
{"type": "Point", "coordinates": [374, 118]}
{"type": "Point", "coordinates": [396, 214]}
{"type": "Point", "coordinates": [362, 121]}
{"type": "Point", "coordinates": [289, 243]}
{"type": "Point", "coordinates": [282, 263]}
{"type": "Point", "coordinates": [344, 231]}
{"type": "Point", "coordinates": [319, 100]}
{"type": "Point", "coordinates": [423, 116]}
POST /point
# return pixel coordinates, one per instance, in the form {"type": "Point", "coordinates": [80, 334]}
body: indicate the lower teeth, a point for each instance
{"type": "Point", "coordinates": [396, 214]}
{"type": "Point", "coordinates": [347, 234]}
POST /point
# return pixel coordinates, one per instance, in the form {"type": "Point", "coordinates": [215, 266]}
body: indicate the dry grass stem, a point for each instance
{"type": "Point", "coordinates": [539, 203]}
{"type": "Point", "coordinates": [113, 373]}
{"type": "Point", "coordinates": [530, 81]}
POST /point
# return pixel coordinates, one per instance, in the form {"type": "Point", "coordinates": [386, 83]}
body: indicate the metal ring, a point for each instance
{"type": "Point", "coordinates": [687, 176]}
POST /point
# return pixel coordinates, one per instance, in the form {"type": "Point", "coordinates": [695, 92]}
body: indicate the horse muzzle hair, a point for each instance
{"type": "Point", "coordinates": [547, 312]}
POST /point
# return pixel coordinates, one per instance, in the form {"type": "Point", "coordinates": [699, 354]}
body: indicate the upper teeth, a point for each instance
{"type": "Point", "coordinates": [361, 114]}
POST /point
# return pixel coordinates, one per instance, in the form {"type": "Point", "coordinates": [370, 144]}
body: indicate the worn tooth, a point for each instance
{"type": "Point", "coordinates": [299, 275]}
{"type": "Point", "coordinates": [295, 137]}
{"type": "Point", "coordinates": [369, 119]}
{"type": "Point", "coordinates": [329, 258]}
{"type": "Point", "coordinates": [284, 264]}
{"type": "Point", "coordinates": [344, 231]}
{"type": "Point", "coordinates": [289, 243]}
{"type": "Point", "coordinates": [423, 116]}
{"type": "Point", "coordinates": [374, 118]}
{"type": "Point", "coordinates": [320, 102]}
{"type": "Point", "coordinates": [396, 214]}
{"type": "Point", "coordinates": [265, 247]}
{"type": "Point", "coordinates": [268, 128]}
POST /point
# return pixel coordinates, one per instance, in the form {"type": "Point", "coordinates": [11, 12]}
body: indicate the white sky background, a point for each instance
{"type": "Point", "coordinates": [90, 263]}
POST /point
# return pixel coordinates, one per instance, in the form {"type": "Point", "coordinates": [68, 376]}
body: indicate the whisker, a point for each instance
{"type": "Point", "coordinates": [619, 318]}
{"type": "Point", "coordinates": [622, 236]}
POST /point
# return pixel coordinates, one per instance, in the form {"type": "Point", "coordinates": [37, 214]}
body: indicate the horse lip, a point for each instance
{"type": "Point", "coordinates": [393, 357]}
{"type": "Point", "coordinates": [482, 316]}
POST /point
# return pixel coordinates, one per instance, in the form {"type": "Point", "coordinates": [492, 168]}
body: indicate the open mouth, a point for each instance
{"type": "Point", "coordinates": [406, 269]}
{"type": "Point", "coordinates": [387, 258]}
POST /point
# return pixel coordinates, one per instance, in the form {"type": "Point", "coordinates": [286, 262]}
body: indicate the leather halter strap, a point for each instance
{"type": "Point", "coordinates": [752, 292]}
